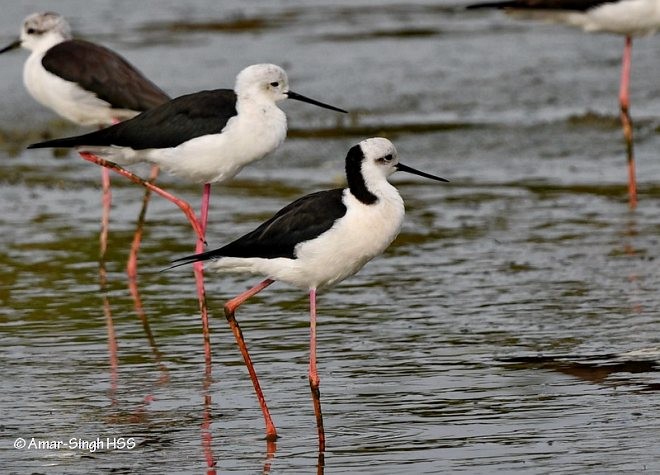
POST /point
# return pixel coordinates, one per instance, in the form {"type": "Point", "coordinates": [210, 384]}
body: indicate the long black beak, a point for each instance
{"type": "Point", "coordinates": [404, 168]}
{"type": "Point", "coordinates": [301, 98]}
{"type": "Point", "coordinates": [10, 47]}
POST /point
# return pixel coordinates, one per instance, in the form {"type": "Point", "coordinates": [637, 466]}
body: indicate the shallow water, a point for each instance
{"type": "Point", "coordinates": [512, 327]}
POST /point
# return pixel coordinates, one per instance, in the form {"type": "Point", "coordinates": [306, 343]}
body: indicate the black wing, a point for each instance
{"type": "Point", "coordinates": [575, 5]}
{"type": "Point", "coordinates": [102, 71]}
{"type": "Point", "coordinates": [302, 220]}
{"type": "Point", "coordinates": [168, 125]}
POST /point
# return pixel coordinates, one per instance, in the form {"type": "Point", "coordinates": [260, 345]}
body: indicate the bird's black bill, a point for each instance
{"type": "Point", "coordinates": [301, 98]}
{"type": "Point", "coordinates": [404, 168]}
{"type": "Point", "coordinates": [10, 47]}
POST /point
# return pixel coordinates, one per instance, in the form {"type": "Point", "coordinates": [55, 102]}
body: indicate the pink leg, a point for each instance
{"type": "Point", "coordinates": [199, 273]}
{"type": "Point", "coordinates": [185, 207]}
{"type": "Point", "coordinates": [313, 372]}
{"type": "Point", "coordinates": [106, 201]}
{"type": "Point", "coordinates": [131, 266]}
{"type": "Point", "coordinates": [230, 309]}
{"type": "Point", "coordinates": [624, 100]}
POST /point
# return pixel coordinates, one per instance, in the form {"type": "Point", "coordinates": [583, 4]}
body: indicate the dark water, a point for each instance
{"type": "Point", "coordinates": [512, 327]}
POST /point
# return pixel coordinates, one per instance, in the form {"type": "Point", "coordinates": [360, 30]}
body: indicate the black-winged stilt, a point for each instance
{"type": "Point", "coordinates": [317, 241]}
{"type": "Point", "coordinates": [624, 17]}
{"type": "Point", "coordinates": [205, 137]}
{"type": "Point", "coordinates": [87, 84]}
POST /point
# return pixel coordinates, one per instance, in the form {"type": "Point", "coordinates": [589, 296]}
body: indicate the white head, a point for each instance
{"type": "Point", "coordinates": [368, 165]}
{"type": "Point", "coordinates": [44, 27]}
{"type": "Point", "coordinates": [262, 80]}
{"type": "Point", "coordinates": [269, 82]}
{"type": "Point", "coordinates": [380, 155]}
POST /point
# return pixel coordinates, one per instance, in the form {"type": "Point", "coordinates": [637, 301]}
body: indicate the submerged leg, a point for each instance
{"type": "Point", "coordinates": [230, 309]}
{"type": "Point", "coordinates": [313, 372]}
{"type": "Point", "coordinates": [626, 121]}
{"type": "Point", "coordinates": [198, 269]}
{"type": "Point", "coordinates": [106, 200]}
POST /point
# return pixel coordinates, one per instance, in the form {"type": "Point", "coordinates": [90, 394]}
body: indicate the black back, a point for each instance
{"type": "Point", "coordinates": [303, 220]}
{"type": "Point", "coordinates": [575, 5]}
{"type": "Point", "coordinates": [168, 125]}
{"type": "Point", "coordinates": [103, 72]}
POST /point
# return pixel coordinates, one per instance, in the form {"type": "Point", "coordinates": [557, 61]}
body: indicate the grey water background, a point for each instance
{"type": "Point", "coordinates": [513, 327]}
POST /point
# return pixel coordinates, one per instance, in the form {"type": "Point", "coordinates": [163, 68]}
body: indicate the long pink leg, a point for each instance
{"type": "Point", "coordinates": [131, 266]}
{"type": "Point", "coordinates": [313, 372]}
{"type": "Point", "coordinates": [230, 309]}
{"type": "Point", "coordinates": [199, 273]}
{"type": "Point", "coordinates": [184, 206]}
{"type": "Point", "coordinates": [626, 121]}
{"type": "Point", "coordinates": [106, 200]}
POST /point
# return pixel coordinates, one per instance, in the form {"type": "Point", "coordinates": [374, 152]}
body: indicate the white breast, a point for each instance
{"type": "Point", "coordinates": [359, 236]}
{"type": "Point", "coordinates": [627, 17]}
{"type": "Point", "coordinates": [66, 98]}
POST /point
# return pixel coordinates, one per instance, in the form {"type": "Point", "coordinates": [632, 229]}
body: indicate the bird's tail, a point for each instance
{"type": "Point", "coordinates": [66, 142]}
{"type": "Point", "coordinates": [204, 256]}
{"type": "Point", "coordinates": [97, 137]}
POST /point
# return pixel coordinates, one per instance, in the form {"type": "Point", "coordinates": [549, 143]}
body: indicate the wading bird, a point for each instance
{"type": "Point", "coordinates": [205, 137]}
{"type": "Point", "coordinates": [89, 85]}
{"type": "Point", "coordinates": [315, 242]}
{"type": "Point", "coordinates": [624, 17]}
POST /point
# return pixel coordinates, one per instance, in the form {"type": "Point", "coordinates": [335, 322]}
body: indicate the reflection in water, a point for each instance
{"type": "Point", "coordinates": [271, 448]}
{"type": "Point", "coordinates": [107, 311]}
{"type": "Point", "coordinates": [531, 251]}
{"type": "Point", "coordinates": [594, 368]}
{"type": "Point", "coordinates": [207, 437]}
{"type": "Point", "coordinates": [320, 463]}
{"type": "Point", "coordinates": [630, 233]}
{"type": "Point", "coordinates": [112, 348]}
{"type": "Point", "coordinates": [139, 310]}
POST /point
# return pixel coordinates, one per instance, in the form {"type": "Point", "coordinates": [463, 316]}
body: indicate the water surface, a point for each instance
{"type": "Point", "coordinates": [512, 327]}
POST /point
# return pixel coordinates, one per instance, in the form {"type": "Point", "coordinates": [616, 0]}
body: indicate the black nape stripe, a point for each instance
{"type": "Point", "coordinates": [354, 176]}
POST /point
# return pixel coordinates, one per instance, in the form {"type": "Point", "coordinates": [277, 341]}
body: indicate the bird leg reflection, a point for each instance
{"type": "Point", "coordinates": [131, 265]}
{"type": "Point", "coordinates": [271, 448]}
{"type": "Point", "coordinates": [183, 205]}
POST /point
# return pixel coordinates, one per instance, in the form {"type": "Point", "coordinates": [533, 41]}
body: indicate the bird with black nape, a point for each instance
{"type": "Point", "coordinates": [315, 242]}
